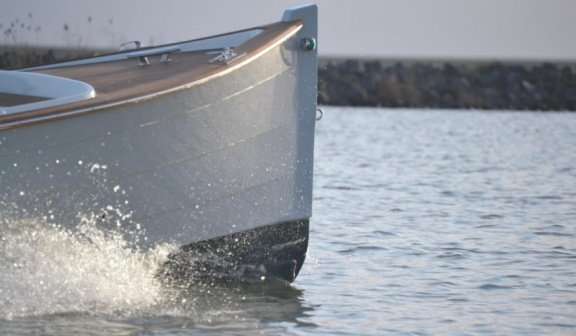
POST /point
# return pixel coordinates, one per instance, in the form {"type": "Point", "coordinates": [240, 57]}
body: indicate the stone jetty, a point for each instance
{"type": "Point", "coordinates": [448, 84]}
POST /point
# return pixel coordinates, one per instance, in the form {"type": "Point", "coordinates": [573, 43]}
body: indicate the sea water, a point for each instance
{"type": "Point", "coordinates": [425, 222]}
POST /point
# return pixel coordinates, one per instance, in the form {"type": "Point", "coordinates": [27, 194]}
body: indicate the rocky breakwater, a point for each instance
{"type": "Point", "coordinates": [476, 85]}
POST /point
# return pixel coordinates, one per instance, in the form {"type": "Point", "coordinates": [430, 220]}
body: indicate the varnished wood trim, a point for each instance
{"type": "Point", "coordinates": [123, 82]}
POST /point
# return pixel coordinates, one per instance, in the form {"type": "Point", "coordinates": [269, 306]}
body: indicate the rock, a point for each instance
{"type": "Point", "coordinates": [480, 85]}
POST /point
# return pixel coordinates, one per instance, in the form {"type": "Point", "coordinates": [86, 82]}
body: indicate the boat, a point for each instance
{"type": "Point", "coordinates": [205, 144]}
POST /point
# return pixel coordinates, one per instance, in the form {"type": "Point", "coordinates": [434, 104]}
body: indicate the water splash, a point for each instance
{"type": "Point", "coordinates": [47, 269]}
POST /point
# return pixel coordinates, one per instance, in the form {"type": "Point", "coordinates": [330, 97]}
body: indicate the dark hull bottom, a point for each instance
{"type": "Point", "coordinates": [268, 253]}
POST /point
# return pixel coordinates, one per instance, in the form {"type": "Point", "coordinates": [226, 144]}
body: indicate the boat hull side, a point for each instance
{"type": "Point", "coordinates": [230, 158]}
{"type": "Point", "coordinates": [187, 167]}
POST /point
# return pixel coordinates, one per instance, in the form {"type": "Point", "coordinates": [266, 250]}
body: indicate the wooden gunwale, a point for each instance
{"type": "Point", "coordinates": [124, 81]}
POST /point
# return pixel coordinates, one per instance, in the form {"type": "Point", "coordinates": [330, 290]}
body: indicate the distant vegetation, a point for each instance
{"type": "Point", "coordinates": [17, 49]}
{"type": "Point", "coordinates": [14, 58]}
{"type": "Point", "coordinates": [478, 85]}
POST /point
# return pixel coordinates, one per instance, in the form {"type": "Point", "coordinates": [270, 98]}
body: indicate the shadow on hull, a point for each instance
{"type": "Point", "coordinates": [269, 253]}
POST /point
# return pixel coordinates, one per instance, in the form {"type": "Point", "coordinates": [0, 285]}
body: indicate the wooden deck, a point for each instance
{"type": "Point", "coordinates": [121, 81]}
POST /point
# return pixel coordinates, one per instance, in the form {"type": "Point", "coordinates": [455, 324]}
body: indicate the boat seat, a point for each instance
{"type": "Point", "coordinates": [25, 91]}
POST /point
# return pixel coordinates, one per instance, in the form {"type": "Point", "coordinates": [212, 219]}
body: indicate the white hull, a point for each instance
{"type": "Point", "coordinates": [230, 155]}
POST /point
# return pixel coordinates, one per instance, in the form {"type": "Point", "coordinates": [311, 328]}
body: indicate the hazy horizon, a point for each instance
{"type": "Point", "coordinates": [454, 29]}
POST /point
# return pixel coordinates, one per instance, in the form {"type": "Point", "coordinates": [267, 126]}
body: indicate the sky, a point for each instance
{"type": "Point", "coordinates": [441, 29]}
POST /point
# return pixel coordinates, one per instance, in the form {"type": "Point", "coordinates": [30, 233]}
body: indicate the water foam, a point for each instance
{"type": "Point", "coordinates": [46, 269]}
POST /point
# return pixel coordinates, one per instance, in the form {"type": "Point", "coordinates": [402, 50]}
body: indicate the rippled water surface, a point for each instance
{"type": "Point", "coordinates": [425, 222]}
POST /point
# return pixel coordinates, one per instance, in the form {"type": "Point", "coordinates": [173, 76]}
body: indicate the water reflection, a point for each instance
{"type": "Point", "coordinates": [240, 304]}
{"type": "Point", "coordinates": [198, 309]}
